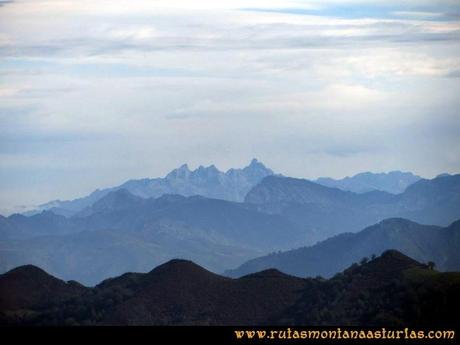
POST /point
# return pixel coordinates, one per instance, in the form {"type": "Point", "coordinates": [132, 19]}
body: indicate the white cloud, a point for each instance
{"type": "Point", "coordinates": [110, 91]}
{"type": "Point", "coordinates": [8, 91]}
{"type": "Point", "coordinates": [141, 7]}
{"type": "Point", "coordinates": [417, 14]}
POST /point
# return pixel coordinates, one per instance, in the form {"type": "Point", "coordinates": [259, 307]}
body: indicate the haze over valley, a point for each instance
{"type": "Point", "coordinates": [143, 223]}
{"type": "Point", "coordinates": [227, 162]}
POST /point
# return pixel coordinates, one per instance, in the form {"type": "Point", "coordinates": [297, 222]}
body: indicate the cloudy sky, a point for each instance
{"type": "Point", "coordinates": [95, 92]}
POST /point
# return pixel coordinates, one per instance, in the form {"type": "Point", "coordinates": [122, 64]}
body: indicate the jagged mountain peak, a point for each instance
{"type": "Point", "coordinates": [209, 181]}
{"type": "Point", "coordinates": [181, 172]}
{"type": "Point", "coordinates": [257, 166]}
{"type": "Point", "coordinates": [255, 163]}
{"type": "Point", "coordinates": [206, 172]}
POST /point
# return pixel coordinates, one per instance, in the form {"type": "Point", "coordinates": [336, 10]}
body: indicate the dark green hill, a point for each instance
{"type": "Point", "coordinates": [391, 290]}
{"type": "Point", "coordinates": [28, 288]}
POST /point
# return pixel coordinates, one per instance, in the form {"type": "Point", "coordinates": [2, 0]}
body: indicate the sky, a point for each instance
{"type": "Point", "coordinates": [93, 93]}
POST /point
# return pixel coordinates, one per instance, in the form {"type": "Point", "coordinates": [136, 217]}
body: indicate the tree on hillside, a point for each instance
{"type": "Point", "coordinates": [364, 260]}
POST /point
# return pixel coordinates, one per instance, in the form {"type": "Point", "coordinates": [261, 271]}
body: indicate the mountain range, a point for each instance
{"type": "Point", "coordinates": [394, 182]}
{"type": "Point", "coordinates": [210, 182]}
{"type": "Point", "coordinates": [232, 185]}
{"type": "Point", "coordinates": [222, 220]}
{"type": "Point", "coordinates": [424, 243]}
{"type": "Point", "coordinates": [392, 290]}
{"type": "Point", "coordinates": [322, 212]}
{"type": "Point", "coordinates": [123, 232]}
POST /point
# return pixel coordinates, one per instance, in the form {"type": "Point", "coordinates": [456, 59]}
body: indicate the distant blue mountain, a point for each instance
{"type": "Point", "coordinates": [124, 232]}
{"type": "Point", "coordinates": [323, 211]}
{"type": "Point", "coordinates": [232, 185]}
{"type": "Point", "coordinates": [394, 182]}
{"type": "Point", "coordinates": [423, 242]}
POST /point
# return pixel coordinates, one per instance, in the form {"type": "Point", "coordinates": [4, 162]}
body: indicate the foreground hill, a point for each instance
{"type": "Point", "coordinates": [391, 290]}
{"type": "Point", "coordinates": [422, 242]}
{"type": "Point", "coordinates": [29, 287]}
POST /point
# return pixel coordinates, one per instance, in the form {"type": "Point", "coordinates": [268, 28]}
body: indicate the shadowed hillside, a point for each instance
{"type": "Point", "coordinates": [422, 242]}
{"type": "Point", "coordinates": [122, 232]}
{"type": "Point", "coordinates": [391, 290]}
{"type": "Point", "coordinates": [322, 212]}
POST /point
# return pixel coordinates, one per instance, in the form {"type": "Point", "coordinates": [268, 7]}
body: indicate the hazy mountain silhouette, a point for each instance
{"type": "Point", "coordinates": [122, 232]}
{"type": "Point", "coordinates": [391, 290]}
{"type": "Point", "coordinates": [422, 242]}
{"type": "Point", "coordinates": [323, 212]}
{"type": "Point", "coordinates": [394, 182]}
{"type": "Point", "coordinates": [231, 185]}
{"type": "Point", "coordinates": [18, 226]}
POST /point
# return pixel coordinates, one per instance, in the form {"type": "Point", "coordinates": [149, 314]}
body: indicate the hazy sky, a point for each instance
{"type": "Point", "coordinates": [95, 92]}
